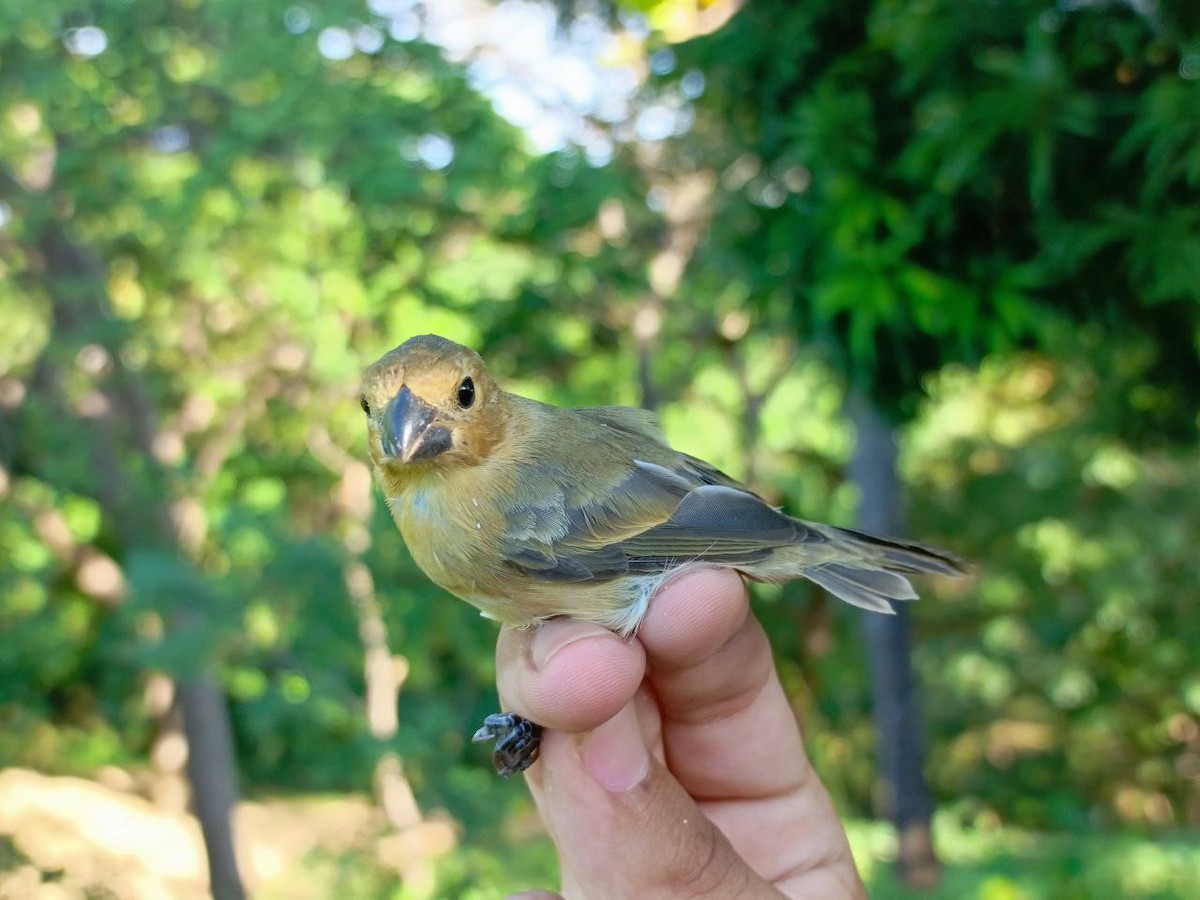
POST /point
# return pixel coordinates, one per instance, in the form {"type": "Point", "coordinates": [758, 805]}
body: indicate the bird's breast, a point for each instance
{"type": "Point", "coordinates": [450, 538]}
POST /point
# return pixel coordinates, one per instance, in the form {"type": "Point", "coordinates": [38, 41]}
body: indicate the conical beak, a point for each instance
{"type": "Point", "coordinates": [409, 432]}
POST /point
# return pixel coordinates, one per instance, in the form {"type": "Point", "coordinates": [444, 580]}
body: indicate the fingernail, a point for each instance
{"type": "Point", "coordinates": [558, 634]}
{"type": "Point", "coordinates": [615, 754]}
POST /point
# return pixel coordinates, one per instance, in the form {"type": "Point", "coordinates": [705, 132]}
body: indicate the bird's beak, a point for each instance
{"type": "Point", "coordinates": [409, 432]}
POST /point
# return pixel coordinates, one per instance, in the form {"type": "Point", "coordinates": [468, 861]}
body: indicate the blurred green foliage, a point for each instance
{"type": "Point", "coordinates": [986, 212]}
{"type": "Point", "coordinates": [924, 183]}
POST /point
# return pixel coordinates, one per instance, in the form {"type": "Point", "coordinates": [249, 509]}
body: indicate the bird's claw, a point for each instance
{"type": "Point", "coordinates": [518, 742]}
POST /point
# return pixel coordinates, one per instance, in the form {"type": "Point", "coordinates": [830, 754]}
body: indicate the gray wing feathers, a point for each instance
{"type": "Point", "coordinates": [715, 524]}
{"type": "Point", "coordinates": [718, 512]}
{"type": "Point", "coordinates": [575, 526]}
{"type": "Point", "coordinates": [546, 565]}
{"type": "Point", "coordinates": [654, 518]}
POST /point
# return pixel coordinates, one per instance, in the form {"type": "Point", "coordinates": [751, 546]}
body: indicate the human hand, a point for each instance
{"type": "Point", "coordinates": [672, 764]}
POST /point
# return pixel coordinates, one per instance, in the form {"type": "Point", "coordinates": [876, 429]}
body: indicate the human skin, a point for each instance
{"type": "Point", "coordinates": [673, 765]}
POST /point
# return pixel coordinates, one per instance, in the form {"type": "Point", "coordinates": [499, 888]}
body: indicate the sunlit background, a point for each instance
{"type": "Point", "coordinates": [784, 226]}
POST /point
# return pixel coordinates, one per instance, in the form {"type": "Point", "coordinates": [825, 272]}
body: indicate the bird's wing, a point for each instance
{"type": "Point", "coordinates": [654, 517]}
{"type": "Point", "coordinates": [642, 426]}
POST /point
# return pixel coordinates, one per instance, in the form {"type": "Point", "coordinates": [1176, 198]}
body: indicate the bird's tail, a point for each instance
{"type": "Point", "coordinates": [869, 571]}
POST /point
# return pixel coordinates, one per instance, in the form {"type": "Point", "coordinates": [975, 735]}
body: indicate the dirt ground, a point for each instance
{"type": "Point", "coordinates": [63, 838]}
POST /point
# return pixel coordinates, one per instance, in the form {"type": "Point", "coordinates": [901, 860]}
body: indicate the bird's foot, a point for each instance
{"type": "Point", "coordinates": [518, 742]}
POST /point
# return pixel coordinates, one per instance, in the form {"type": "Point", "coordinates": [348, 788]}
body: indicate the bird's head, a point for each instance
{"type": "Point", "coordinates": [431, 404]}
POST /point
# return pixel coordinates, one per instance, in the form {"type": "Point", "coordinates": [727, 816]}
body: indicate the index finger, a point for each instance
{"type": "Point", "coordinates": [729, 734]}
{"type": "Point", "coordinates": [728, 729]}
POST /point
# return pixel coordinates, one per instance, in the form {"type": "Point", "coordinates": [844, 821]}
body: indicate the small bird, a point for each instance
{"type": "Point", "coordinates": [530, 511]}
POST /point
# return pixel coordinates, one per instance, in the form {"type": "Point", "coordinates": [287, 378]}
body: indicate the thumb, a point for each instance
{"type": "Point", "coordinates": [624, 827]}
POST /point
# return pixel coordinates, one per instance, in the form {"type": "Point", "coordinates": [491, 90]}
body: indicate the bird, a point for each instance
{"type": "Point", "coordinates": [530, 511]}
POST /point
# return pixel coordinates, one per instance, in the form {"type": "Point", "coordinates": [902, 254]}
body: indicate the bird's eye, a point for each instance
{"type": "Point", "coordinates": [466, 393]}
{"type": "Point", "coordinates": [366, 407]}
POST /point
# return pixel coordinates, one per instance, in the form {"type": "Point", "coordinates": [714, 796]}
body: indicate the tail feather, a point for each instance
{"type": "Point", "coordinates": [906, 557]}
{"type": "Point", "coordinates": [876, 578]}
{"type": "Point", "coordinates": [871, 589]}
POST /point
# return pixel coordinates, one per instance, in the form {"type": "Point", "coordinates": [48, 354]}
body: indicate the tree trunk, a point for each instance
{"type": "Point", "coordinates": [905, 795]}
{"type": "Point", "coordinates": [140, 510]}
{"type": "Point", "coordinates": [212, 771]}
